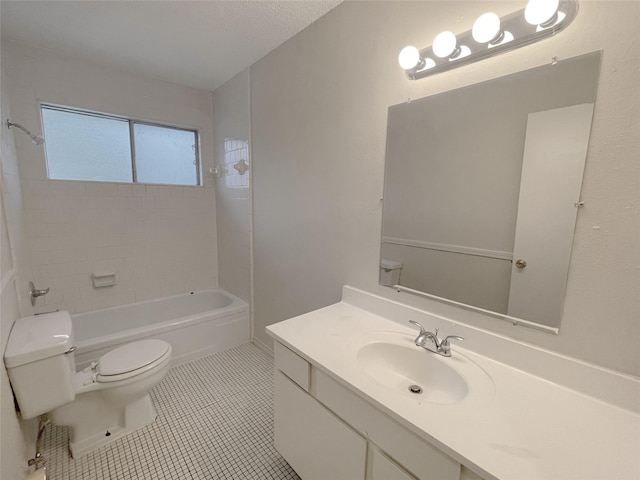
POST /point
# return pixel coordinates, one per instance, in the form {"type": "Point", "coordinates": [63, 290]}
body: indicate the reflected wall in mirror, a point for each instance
{"type": "Point", "coordinates": [482, 188]}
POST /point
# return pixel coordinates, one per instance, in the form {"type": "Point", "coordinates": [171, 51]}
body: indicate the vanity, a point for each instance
{"type": "Point", "coordinates": [355, 398]}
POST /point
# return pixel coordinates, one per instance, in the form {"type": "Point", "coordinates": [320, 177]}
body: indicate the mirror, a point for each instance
{"type": "Point", "coordinates": [482, 189]}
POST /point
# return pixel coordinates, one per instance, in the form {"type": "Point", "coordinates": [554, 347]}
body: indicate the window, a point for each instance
{"type": "Point", "coordinates": [96, 147]}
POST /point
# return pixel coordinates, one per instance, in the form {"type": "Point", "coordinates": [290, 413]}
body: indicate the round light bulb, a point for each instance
{"type": "Point", "coordinates": [486, 28]}
{"type": "Point", "coordinates": [539, 12]}
{"type": "Point", "coordinates": [444, 45]}
{"type": "Point", "coordinates": [409, 57]}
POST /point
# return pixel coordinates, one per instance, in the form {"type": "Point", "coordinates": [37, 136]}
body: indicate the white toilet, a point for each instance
{"type": "Point", "coordinates": [101, 403]}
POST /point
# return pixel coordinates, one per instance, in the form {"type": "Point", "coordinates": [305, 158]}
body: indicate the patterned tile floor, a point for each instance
{"type": "Point", "coordinates": [215, 421]}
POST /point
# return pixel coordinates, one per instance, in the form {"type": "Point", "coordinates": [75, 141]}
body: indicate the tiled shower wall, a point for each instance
{"type": "Point", "coordinates": [17, 435]}
{"type": "Point", "coordinates": [156, 238]}
{"type": "Point", "coordinates": [233, 190]}
{"type": "Point", "coordinates": [159, 240]}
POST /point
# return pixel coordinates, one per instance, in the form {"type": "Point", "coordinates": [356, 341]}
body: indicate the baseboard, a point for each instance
{"type": "Point", "coordinates": [262, 346]}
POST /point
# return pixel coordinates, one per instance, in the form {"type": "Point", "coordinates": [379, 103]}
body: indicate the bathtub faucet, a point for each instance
{"type": "Point", "coordinates": [34, 293]}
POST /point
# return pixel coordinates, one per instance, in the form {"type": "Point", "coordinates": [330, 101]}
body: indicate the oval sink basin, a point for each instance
{"type": "Point", "coordinates": [399, 368]}
{"type": "Point", "coordinates": [392, 360]}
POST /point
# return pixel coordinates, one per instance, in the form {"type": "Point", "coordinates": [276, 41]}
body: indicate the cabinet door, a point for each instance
{"type": "Point", "coordinates": [384, 469]}
{"type": "Point", "coordinates": [314, 442]}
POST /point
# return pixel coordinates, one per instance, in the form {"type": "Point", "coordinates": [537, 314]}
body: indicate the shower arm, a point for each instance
{"type": "Point", "coordinates": [37, 139]}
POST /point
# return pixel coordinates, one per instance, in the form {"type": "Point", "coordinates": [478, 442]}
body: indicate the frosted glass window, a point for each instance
{"type": "Point", "coordinates": [165, 155]}
{"type": "Point", "coordinates": [86, 147]}
{"type": "Point", "coordinates": [97, 147]}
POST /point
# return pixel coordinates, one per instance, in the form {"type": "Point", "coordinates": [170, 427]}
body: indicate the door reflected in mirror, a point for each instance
{"type": "Point", "coordinates": [482, 189]}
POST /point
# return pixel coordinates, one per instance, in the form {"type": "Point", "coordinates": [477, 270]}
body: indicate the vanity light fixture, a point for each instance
{"type": "Point", "coordinates": [489, 36]}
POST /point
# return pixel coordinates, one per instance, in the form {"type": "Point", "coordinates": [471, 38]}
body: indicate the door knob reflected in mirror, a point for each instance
{"type": "Point", "coordinates": [521, 263]}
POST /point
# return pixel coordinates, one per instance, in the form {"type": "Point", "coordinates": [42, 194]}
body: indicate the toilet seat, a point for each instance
{"type": "Point", "coordinates": [132, 359]}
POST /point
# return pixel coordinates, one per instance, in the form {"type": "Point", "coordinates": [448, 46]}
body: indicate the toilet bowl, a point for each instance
{"type": "Point", "coordinates": [99, 404]}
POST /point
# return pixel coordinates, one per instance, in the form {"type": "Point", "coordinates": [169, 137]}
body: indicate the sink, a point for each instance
{"type": "Point", "coordinates": [399, 368]}
{"type": "Point", "coordinates": [393, 361]}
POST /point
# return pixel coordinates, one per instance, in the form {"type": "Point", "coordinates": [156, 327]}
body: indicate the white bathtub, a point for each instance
{"type": "Point", "coordinates": [196, 324]}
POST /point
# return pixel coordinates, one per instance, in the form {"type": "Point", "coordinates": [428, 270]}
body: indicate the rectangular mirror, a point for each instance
{"type": "Point", "coordinates": [482, 189]}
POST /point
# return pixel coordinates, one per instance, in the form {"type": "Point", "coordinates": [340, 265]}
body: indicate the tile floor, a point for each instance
{"type": "Point", "coordinates": [215, 421]}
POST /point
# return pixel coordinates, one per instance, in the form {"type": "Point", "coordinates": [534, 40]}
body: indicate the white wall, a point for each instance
{"type": "Point", "coordinates": [17, 437]}
{"type": "Point", "coordinates": [160, 240]}
{"type": "Point", "coordinates": [318, 118]}
{"type": "Point", "coordinates": [231, 132]}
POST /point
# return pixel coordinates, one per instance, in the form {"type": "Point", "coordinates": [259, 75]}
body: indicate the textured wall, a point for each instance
{"type": "Point", "coordinates": [319, 108]}
{"type": "Point", "coordinates": [160, 240]}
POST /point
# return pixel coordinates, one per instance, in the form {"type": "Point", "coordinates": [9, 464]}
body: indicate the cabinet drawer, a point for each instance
{"type": "Point", "coordinates": [416, 455]}
{"type": "Point", "coordinates": [314, 442]}
{"type": "Point", "coordinates": [292, 365]}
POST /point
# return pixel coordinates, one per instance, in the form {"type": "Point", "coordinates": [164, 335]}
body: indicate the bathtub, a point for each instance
{"type": "Point", "coordinates": [196, 324]}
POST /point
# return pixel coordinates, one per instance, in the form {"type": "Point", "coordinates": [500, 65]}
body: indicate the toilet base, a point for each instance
{"type": "Point", "coordinates": [95, 427]}
{"type": "Point", "coordinates": [137, 414]}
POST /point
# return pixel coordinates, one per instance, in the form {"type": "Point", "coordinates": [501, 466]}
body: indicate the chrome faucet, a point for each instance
{"type": "Point", "coordinates": [34, 293]}
{"type": "Point", "coordinates": [430, 341]}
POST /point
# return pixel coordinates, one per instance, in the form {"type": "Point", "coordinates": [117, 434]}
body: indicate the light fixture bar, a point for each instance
{"type": "Point", "coordinates": [515, 24]}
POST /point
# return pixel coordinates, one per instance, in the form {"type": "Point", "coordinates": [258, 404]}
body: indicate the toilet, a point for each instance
{"type": "Point", "coordinates": [101, 403]}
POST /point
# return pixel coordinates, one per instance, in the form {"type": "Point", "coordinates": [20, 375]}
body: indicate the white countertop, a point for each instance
{"type": "Point", "coordinates": [529, 428]}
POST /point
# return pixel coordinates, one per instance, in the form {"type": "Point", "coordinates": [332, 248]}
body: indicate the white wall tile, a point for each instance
{"type": "Point", "coordinates": [74, 228]}
{"type": "Point", "coordinates": [232, 131]}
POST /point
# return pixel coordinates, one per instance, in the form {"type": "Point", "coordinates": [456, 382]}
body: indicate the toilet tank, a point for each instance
{"type": "Point", "coordinates": [390, 272]}
{"type": "Point", "coordinates": [40, 369]}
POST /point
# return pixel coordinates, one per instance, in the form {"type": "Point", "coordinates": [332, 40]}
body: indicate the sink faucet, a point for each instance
{"type": "Point", "coordinates": [430, 341]}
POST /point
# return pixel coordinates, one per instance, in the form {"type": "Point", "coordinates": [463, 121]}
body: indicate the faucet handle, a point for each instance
{"type": "Point", "coordinates": [445, 348]}
{"type": "Point", "coordinates": [446, 339]}
{"type": "Point", "coordinates": [422, 329]}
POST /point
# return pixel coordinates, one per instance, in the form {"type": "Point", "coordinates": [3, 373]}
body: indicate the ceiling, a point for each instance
{"type": "Point", "coordinates": [201, 44]}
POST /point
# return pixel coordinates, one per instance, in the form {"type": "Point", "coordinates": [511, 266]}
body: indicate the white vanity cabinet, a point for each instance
{"type": "Point", "coordinates": [326, 431]}
{"type": "Point", "coordinates": [315, 443]}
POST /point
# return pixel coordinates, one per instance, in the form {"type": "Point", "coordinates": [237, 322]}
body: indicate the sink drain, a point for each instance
{"type": "Point", "coordinates": [417, 389]}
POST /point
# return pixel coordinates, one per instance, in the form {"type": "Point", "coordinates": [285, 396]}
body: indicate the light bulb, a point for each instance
{"type": "Point", "coordinates": [486, 28]}
{"type": "Point", "coordinates": [539, 12]}
{"type": "Point", "coordinates": [445, 45]}
{"type": "Point", "coordinates": [409, 57]}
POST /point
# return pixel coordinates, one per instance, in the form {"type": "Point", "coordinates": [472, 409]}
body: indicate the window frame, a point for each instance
{"type": "Point", "coordinates": [131, 121]}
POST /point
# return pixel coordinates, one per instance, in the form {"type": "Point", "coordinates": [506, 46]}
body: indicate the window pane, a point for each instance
{"type": "Point", "coordinates": [165, 155]}
{"type": "Point", "coordinates": [86, 147]}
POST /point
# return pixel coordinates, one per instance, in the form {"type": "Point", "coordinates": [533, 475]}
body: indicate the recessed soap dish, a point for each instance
{"type": "Point", "coordinates": [103, 279]}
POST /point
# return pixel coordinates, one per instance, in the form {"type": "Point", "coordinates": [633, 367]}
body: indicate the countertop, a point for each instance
{"type": "Point", "coordinates": [529, 428]}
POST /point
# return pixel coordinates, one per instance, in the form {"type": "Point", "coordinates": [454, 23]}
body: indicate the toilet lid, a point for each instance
{"type": "Point", "coordinates": [131, 356]}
